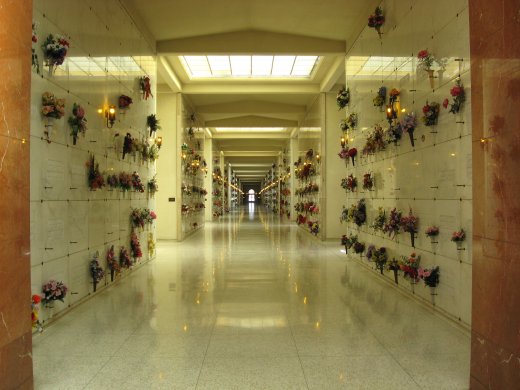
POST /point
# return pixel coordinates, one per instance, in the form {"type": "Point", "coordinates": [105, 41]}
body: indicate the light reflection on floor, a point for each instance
{"type": "Point", "coordinates": [251, 303]}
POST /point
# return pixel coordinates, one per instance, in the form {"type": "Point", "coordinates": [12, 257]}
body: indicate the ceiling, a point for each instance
{"type": "Point", "coordinates": [251, 27]}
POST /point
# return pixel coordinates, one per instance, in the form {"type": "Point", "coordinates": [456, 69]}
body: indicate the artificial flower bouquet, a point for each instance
{"type": "Point", "coordinates": [343, 98]}
{"type": "Point", "coordinates": [410, 267]}
{"type": "Point", "coordinates": [377, 20]}
{"type": "Point", "coordinates": [77, 122]}
{"type": "Point", "coordinates": [54, 291]}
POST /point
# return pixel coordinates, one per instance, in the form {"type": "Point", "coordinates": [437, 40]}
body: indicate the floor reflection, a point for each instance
{"type": "Point", "coordinates": [250, 302]}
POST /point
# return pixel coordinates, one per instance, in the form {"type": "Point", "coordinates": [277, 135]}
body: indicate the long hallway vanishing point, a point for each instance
{"type": "Point", "coordinates": [251, 303]}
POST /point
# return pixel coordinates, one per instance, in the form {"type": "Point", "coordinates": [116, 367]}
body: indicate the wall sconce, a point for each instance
{"type": "Point", "coordinates": [109, 114]}
{"type": "Point", "coordinates": [158, 142]}
{"type": "Point", "coordinates": [390, 113]}
{"type": "Point", "coordinates": [318, 158]}
{"type": "Point", "coordinates": [343, 142]}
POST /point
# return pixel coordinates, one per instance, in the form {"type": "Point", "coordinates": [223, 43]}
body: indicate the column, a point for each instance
{"type": "Point", "coordinates": [495, 96]}
{"type": "Point", "coordinates": [167, 166]}
{"type": "Point", "coordinates": [15, 301]}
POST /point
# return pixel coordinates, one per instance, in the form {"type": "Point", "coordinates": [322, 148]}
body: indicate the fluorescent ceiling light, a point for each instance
{"type": "Point", "coordinates": [249, 66]}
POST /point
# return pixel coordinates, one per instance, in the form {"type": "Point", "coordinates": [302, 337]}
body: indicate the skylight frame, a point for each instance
{"type": "Point", "coordinates": [260, 67]}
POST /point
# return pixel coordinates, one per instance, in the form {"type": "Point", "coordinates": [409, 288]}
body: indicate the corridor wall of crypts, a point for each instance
{"type": "Point", "coordinates": [406, 151]}
{"type": "Point", "coordinates": [308, 179]}
{"type": "Point", "coordinates": [92, 187]}
{"type": "Point", "coordinates": [193, 169]}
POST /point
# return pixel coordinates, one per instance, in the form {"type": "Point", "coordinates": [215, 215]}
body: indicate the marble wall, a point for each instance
{"type": "Point", "coordinates": [69, 222]}
{"type": "Point", "coordinates": [433, 178]}
{"type": "Point", "coordinates": [495, 77]}
{"type": "Point", "coordinates": [15, 309]}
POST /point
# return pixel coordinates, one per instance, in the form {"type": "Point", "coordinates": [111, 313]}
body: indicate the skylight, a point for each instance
{"type": "Point", "coordinates": [249, 66]}
{"type": "Point", "coordinates": [98, 66]}
{"type": "Point", "coordinates": [249, 129]}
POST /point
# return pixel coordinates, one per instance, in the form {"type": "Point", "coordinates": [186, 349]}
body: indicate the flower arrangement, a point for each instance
{"type": "Point", "coordinates": [145, 87]}
{"type": "Point", "coordinates": [368, 181]}
{"type": "Point", "coordinates": [128, 144]}
{"type": "Point", "coordinates": [349, 123]}
{"type": "Point", "coordinates": [153, 123]}
{"type": "Point", "coordinates": [370, 251]}
{"type": "Point", "coordinates": [53, 291]}
{"type": "Point", "coordinates": [432, 231]}
{"type": "Point", "coordinates": [349, 241]}
{"type": "Point", "coordinates": [352, 153]}
{"type": "Point", "coordinates": [380, 257]}
{"type": "Point", "coordinates": [380, 99]}
{"type": "Point", "coordinates": [149, 216]}
{"type": "Point", "coordinates": [152, 153]}
{"type": "Point", "coordinates": [409, 224]}
{"type": "Point", "coordinates": [459, 97]}
{"type": "Point", "coordinates": [430, 276]}
{"type": "Point", "coordinates": [394, 133]}
{"type": "Point", "coordinates": [135, 246]}
{"type": "Point", "coordinates": [349, 183]}
{"type": "Point", "coordinates": [426, 60]}
{"type": "Point", "coordinates": [125, 181]}
{"type": "Point", "coordinates": [112, 263]}
{"type": "Point", "coordinates": [52, 107]}
{"type": "Point", "coordinates": [77, 122]}
{"type": "Point", "coordinates": [124, 102]}
{"type": "Point", "coordinates": [394, 94]}
{"type": "Point", "coordinates": [136, 182]}
{"type": "Point", "coordinates": [35, 62]}
{"type": "Point", "coordinates": [360, 213]}
{"type": "Point", "coordinates": [458, 236]}
{"type": "Point", "coordinates": [112, 181]}
{"type": "Point", "coordinates": [408, 125]}
{"type": "Point", "coordinates": [393, 224]}
{"type": "Point", "coordinates": [375, 141]}
{"type": "Point", "coordinates": [301, 219]}
{"type": "Point", "coordinates": [380, 220]}
{"type": "Point", "coordinates": [314, 227]}
{"type": "Point", "coordinates": [137, 219]}
{"type": "Point", "coordinates": [376, 20]}
{"type": "Point", "coordinates": [343, 98]}
{"type": "Point", "coordinates": [96, 272]}
{"type": "Point", "coordinates": [95, 178]}
{"type": "Point", "coordinates": [124, 258]}
{"type": "Point", "coordinates": [345, 214]}
{"type": "Point", "coordinates": [431, 113]}
{"type": "Point", "coordinates": [35, 313]}
{"type": "Point", "coordinates": [359, 247]}
{"type": "Point", "coordinates": [152, 186]}
{"type": "Point", "coordinates": [55, 50]}
{"type": "Point", "coordinates": [410, 267]}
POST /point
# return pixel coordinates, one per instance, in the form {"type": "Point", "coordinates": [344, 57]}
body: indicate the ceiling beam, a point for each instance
{"type": "Point", "coordinates": [254, 135]}
{"type": "Point", "coordinates": [251, 42]}
{"type": "Point", "coordinates": [166, 72]}
{"type": "Point", "coordinates": [250, 88]}
{"type": "Point", "coordinates": [251, 153]}
{"type": "Point", "coordinates": [251, 121]}
{"type": "Point", "coordinates": [334, 73]}
{"type": "Point", "coordinates": [249, 106]}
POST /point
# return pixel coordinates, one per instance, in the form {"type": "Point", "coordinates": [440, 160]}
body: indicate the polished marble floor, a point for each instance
{"type": "Point", "coordinates": [250, 302]}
